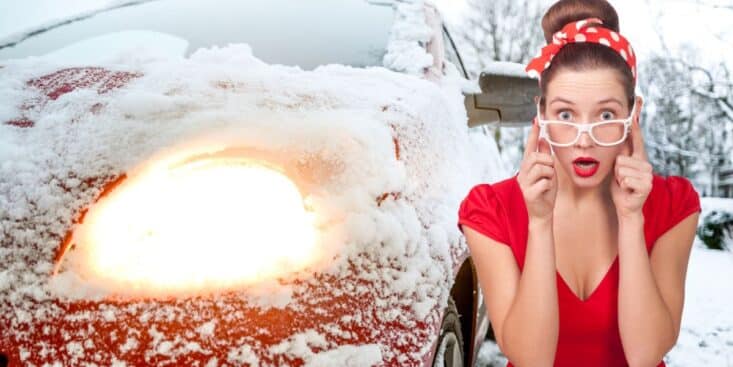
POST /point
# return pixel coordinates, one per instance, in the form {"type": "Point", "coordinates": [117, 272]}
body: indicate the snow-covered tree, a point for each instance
{"type": "Point", "coordinates": [689, 119]}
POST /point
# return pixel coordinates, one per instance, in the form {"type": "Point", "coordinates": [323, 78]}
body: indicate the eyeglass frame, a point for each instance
{"type": "Point", "coordinates": [585, 127]}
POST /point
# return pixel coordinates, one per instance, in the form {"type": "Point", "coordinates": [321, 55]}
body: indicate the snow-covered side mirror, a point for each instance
{"type": "Point", "coordinates": [507, 96]}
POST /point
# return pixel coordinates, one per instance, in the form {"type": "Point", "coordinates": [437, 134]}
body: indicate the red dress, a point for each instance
{"type": "Point", "coordinates": [588, 330]}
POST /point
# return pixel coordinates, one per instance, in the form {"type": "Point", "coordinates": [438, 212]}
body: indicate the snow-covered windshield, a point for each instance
{"type": "Point", "coordinates": [289, 32]}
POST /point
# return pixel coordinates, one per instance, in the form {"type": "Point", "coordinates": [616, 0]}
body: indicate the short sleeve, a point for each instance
{"type": "Point", "coordinates": [481, 210]}
{"type": "Point", "coordinates": [683, 200]}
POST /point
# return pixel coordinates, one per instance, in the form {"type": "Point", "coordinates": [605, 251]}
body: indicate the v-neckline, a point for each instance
{"type": "Point", "coordinates": [598, 286]}
{"type": "Point", "coordinates": [557, 272]}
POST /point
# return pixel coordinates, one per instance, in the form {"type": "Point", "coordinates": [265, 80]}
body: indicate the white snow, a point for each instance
{"type": "Point", "coordinates": [505, 68]}
{"type": "Point", "coordinates": [243, 354]}
{"type": "Point", "coordinates": [408, 38]}
{"type": "Point", "coordinates": [706, 332]}
{"type": "Point", "coordinates": [386, 158]}
{"type": "Point", "coordinates": [207, 329]}
{"type": "Point", "coordinates": [365, 355]}
{"type": "Point", "coordinates": [301, 345]}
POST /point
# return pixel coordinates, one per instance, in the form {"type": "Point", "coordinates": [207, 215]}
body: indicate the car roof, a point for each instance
{"type": "Point", "coordinates": [289, 32]}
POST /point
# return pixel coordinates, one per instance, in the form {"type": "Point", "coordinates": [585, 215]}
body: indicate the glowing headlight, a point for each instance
{"type": "Point", "coordinates": [202, 225]}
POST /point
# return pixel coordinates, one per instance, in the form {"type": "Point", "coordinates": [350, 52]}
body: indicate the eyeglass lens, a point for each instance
{"type": "Point", "coordinates": [606, 133]}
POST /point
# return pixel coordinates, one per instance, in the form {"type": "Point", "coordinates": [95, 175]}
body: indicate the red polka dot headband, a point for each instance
{"type": "Point", "coordinates": [586, 30]}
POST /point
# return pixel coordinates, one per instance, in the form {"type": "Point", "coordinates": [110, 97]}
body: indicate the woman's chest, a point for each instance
{"type": "Point", "coordinates": [585, 254]}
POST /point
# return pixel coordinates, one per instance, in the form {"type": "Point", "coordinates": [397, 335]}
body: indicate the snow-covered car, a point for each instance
{"type": "Point", "coordinates": [169, 198]}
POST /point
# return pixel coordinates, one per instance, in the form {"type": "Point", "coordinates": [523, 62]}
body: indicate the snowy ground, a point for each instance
{"type": "Point", "coordinates": [706, 335]}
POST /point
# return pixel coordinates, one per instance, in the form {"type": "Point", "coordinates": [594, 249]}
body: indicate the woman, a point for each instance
{"type": "Point", "coordinates": [563, 249]}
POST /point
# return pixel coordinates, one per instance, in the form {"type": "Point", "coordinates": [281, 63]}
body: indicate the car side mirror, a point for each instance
{"type": "Point", "coordinates": [507, 96]}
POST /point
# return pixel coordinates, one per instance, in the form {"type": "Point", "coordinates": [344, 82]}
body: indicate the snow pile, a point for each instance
{"type": "Point", "coordinates": [408, 38]}
{"type": "Point", "coordinates": [706, 333]}
{"type": "Point", "coordinates": [345, 355]}
{"type": "Point", "coordinates": [383, 160]}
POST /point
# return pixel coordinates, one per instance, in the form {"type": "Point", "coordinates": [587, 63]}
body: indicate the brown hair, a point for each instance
{"type": "Point", "coordinates": [584, 56]}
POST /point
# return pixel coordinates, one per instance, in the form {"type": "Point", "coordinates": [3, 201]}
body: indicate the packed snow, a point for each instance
{"type": "Point", "coordinates": [706, 332]}
{"type": "Point", "coordinates": [382, 157]}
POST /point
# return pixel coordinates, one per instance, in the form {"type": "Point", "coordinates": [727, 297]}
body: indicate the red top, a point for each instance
{"type": "Point", "coordinates": [588, 330]}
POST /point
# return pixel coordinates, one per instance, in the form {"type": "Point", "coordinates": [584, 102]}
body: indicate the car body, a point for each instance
{"type": "Point", "coordinates": [369, 128]}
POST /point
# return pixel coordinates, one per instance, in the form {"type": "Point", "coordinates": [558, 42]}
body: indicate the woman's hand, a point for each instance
{"type": "Point", "coordinates": [633, 175]}
{"type": "Point", "coordinates": [537, 177]}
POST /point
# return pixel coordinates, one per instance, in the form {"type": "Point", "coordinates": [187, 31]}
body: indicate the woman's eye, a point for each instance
{"type": "Point", "coordinates": [564, 115]}
{"type": "Point", "coordinates": [607, 115]}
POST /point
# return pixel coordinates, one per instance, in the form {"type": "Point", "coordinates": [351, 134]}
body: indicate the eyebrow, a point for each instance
{"type": "Point", "coordinates": [610, 100]}
{"type": "Point", "coordinates": [560, 99]}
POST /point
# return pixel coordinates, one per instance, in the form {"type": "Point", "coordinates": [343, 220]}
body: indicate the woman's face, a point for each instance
{"type": "Point", "coordinates": [585, 97]}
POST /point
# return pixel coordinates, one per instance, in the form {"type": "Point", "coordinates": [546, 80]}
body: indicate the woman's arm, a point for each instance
{"type": "Point", "coordinates": [651, 289]}
{"type": "Point", "coordinates": [522, 307]}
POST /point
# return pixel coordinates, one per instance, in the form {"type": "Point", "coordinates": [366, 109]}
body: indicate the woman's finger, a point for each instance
{"type": "Point", "coordinates": [633, 162]}
{"type": "Point", "coordinates": [540, 187]}
{"type": "Point", "coordinates": [543, 146]}
{"type": "Point", "coordinates": [629, 172]}
{"type": "Point", "coordinates": [635, 184]}
{"type": "Point", "coordinates": [539, 171]}
{"type": "Point", "coordinates": [632, 184]}
{"type": "Point", "coordinates": [537, 157]}
{"type": "Point", "coordinates": [534, 133]}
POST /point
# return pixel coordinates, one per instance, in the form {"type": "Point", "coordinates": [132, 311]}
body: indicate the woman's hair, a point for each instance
{"type": "Point", "coordinates": [586, 55]}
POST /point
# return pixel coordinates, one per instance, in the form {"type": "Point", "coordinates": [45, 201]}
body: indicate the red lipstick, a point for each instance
{"type": "Point", "coordinates": [585, 166]}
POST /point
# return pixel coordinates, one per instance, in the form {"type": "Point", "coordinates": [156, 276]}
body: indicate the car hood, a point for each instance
{"type": "Point", "coordinates": [383, 158]}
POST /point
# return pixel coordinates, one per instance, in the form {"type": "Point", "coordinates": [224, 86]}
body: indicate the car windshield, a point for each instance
{"type": "Point", "coordinates": [289, 32]}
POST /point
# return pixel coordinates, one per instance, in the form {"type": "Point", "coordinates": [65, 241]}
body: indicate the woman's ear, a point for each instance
{"type": "Point", "coordinates": [536, 99]}
{"type": "Point", "coordinates": [639, 104]}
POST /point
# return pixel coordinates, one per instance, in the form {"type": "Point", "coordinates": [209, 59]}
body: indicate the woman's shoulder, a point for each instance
{"type": "Point", "coordinates": [672, 199]}
{"type": "Point", "coordinates": [673, 189]}
{"type": "Point", "coordinates": [486, 208]}
{"type": "Point", "coordinates": [501, 190]}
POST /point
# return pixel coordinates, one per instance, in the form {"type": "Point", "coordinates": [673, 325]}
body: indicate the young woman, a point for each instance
{"type": "Point", "coordinates": [582, 255]}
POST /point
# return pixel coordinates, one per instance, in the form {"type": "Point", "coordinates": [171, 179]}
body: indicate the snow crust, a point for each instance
{"type": "Point", "coordinates": [387, 157]}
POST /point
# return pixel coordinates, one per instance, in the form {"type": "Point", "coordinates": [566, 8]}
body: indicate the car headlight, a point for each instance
{"type": "Point", "coordinates": [211, 223]}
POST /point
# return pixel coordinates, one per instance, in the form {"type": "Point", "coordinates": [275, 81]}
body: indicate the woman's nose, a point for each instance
{"type": "Point", "coordinates": [584, 140]}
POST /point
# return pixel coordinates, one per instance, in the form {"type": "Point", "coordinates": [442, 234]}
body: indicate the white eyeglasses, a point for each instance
{"type": "Point", "coordinates": [604, 133]}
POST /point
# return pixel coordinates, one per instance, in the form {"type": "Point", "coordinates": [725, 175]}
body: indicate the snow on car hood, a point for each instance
{"type": "Point", "coordinates": [369, 132]}
{"type": "Point", "coordinates": [392, 152]}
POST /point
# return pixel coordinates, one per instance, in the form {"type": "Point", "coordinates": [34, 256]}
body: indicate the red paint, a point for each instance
{"type": "Point", "coordinates": [20, 122]}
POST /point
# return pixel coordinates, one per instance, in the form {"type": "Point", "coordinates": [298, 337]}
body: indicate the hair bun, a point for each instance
{"type": "Point", "coordinates": [566, 11]}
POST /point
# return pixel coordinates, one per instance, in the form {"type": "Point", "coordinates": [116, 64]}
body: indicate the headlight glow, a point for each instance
{"type": "Point", "coordinates": [208, 224]}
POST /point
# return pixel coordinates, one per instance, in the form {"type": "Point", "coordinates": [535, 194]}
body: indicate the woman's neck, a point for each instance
{"type": "Point", "coordinates": [576, 197]}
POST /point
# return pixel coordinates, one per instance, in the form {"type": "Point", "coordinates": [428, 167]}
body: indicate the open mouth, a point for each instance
{"type": "Point", "coordinates": [585, 167]}
{"type": "Point", "coordinates": [586, 164]}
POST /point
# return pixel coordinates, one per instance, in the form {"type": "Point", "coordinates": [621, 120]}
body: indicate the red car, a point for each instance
{"type": "Point", "coordinates": [166, 199]}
